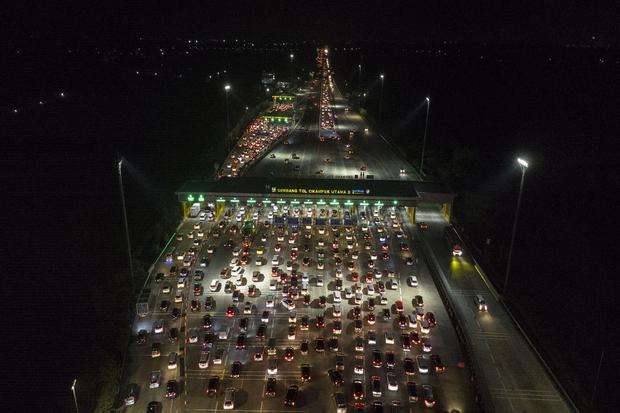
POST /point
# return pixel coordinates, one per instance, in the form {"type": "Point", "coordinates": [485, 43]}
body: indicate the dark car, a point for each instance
{"type": "Point", "coordinates": [171, 389]}
{"type": "Point", "coordinates": [240, 342]}
{"type": "Point", "coordinates": [438, 364]}
{"type": "Point", "coordinates": [430, 318]}
{"type": "Point", "coordinates": [357, 312]}
{"type": "Point", "coordinates": [164, 306]}
{"type": "Point", "coordinates": [320, 321]}
{"type": "Point", "coordinates": [412, 391]}
{"type": "Point", "coordinates": [409, 366]}
{"type": "Point", "coordinates": [322, 301]}
{"type": "Point", "coordinates": [390, 360]}
{"type": "Point", "coordinates": [376, 358]}
{"type": "Point", "coordinates": [206, 321]}
{"type": "Point", "coordinates": [153, 407]}
{"type": "Point", "coordinates": [405, 341]}
{"type": "Point", "coordinates": [307, 299]}
{"type": "Point", "coordinates": [260, 332]}
{"type": "Point", "coordinates": [176, 313]}
{"type": "Point", "coordinates": [159, 277]}
{"type": "Point", "coordinates": [291, 396]}
{"type": "Point", "coordinates": [320, 345]}
{"type": "Point", "coordinates": [386, 314]}
{"type": "Point", "coordinates": [371, 304]}
{"type": "Point", "coordinates": [209, 303]}
{"type": "Point", "coordinates": [358, 390]}
{"type": "Point", "coordinates": [195, 306]}
{"type": "Point", "coordinates": [289, 354]}
{"type": "Point", "coordinates": [235, 371]}
{"type": "Point", "coordinates": [305, 373]}
{"type": "Point", "coordinates": [173, 335]}
{"type": "Point", "coordinates": [141, 338]}
{"type": "Point", "coordinates": [213, 386]}
{"type": "Point", "coordinates": [303, 349]}
{"type": "Point", "coordinates": [197, 288]}
{"type": "Point", "coordinates": [243, 325]}
{"type": "Point", "coordinates": [270, 388]}
{"type": "Point", "coordinates": [335, 377]}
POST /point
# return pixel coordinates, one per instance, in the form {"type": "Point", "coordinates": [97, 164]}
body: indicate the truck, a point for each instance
{"type": "Point", "coordinates": [194, 210]}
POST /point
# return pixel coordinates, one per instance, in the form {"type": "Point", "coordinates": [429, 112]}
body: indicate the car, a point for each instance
{"type": "Point", "coordinates": [358, 390]}
{"type": "Point", "coordinates": [306, 377]}
{"type": "Point", "coordinates": [402, 321]}
{"type": "Point", "coordinates": [258, 353]}
{"type": "Point", "coordinates": [209, 303]}
{"type": "Point", "coordinates": [376, 358]}
{"type": "Point", "coordinates": [158, 326]}
{"type": "Point", "coordinates": [229, 399]}
{"type": "Point", "coordinates": [359, 344]}
{"type": "Point", "coordinates": [430, 318]}
{"type": "Point", "coordinates": [270, 387]}
{"type": "Point", "coordinates": [457, 251]}
{"type": "Point", "coordinates": [235, 370]}
{"type": "Point", "coordinates": [203, 362]}
{"type": "Point", "coordinates": [166, 288]}
{"type": "Point", "coordinates": [173, 335]}
{"type": "Point", "coordinates": [214, 286]}
{"type": "Point", "coordinates": [320, 344]}
{"type": "Point", "coordinates": [412, 391]}
{"type": "Point", "coordinates": [178, 297]}
{"type": "Point", "coordinates": [412, 280]}
{"type": "Point", "coordinates": [386, 314]}
{"type": "Point", "coordinates": [291, 331]}
{"type": "Point", "coordinates": [247, 309]}
{"type": "Point", "coordinates": [172, 361]}
{"type": "Point", "coordinates": [426, 344]}
{"type": "Point", "coordinates": [291, 395]}
{"type": "Point", "coordinates": [322, 301]}
{"type": "Point", "coordinates": [390, 360]}
{"type": "Point", "coordinates": [305, 323]}
{"type": "Point", "coordinates": [141, 337]}
{"type": "Point", "coordinates": [424, 326]}
{"type": "Point", "coordinates": [319, 281]}
{"type": "Point", "coordinates": [303, 348]}
{"type": "Point", "coordinates": [193, 335]}
{"type": "Point", "coordinates": [415, 337]}
{"type": "Point", "coordinates": [335, 377]}
{"type": "Point", "coordinates": [240, 345]}
{"type": "Point", "coordinates": [155, 350]}
{"type": "Point", "coordinates": [383, 300]}
{"type": "Point", "coordinates": [419, 313]}
{"type": "Point", "coordinates": [288, 304]}
{"type": "Point", "coordinates": [392, 382]}
{"type": "Point", "coordinates": [164, 306]}
{"type": "Point", "coordinates": [371, 318]}
{"type": "Point", "coordinates": [289, 354]}
{"type": "Point", "coordinates": [175, 314]}
{"type": "Point", "coordinates": [480, 302]}
{"type": "Point", "coordinates": [408, 366]}
{"type": "Point", "coordinates": [171, 389]}
{"type": "Point", "coordinates": [357, 312]}
{"type": "Point", "coordinates": [424, 364]}
{"type": "Point", "coordinates": [429, 398]}
{"type": "Point", "coordinates": [270, 302]}
{"type": "Point", "coordinates": [389, 338]}
{"type": "Point", "coordinates": [197, 289]}
{"type": "Point", "coordinates": [399, 306]}
{"type": "Point", "coordinates": [273, 285]}
{"type": "Point", "coordinates": [154, 379]}
{"type": "Point", "coordinates": [405, 342]}
{"type": "Point", "coordinates": [437, 363]}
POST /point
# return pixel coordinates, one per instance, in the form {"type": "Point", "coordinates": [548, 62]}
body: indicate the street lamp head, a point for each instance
{"type": "Point", "coordinates": [428, 100]}
{"type": "Point", "coordinates": [382, 76]}
{"type": "Point", "coordinates": [292, 56]}
{"type": "Point", "coordinates": [523, 163]}
{"type": "Point", "coordinates": [73, 385]}
{"type": "Point", "coordinates": [227, 88]}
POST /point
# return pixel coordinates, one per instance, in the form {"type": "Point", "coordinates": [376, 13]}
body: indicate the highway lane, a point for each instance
{"type": "Point", "coordinates": [515, 379]}
{"type": "Point", "coordinates": [368, 149]}
{"type": "Point", "coordinates": [451, 387]}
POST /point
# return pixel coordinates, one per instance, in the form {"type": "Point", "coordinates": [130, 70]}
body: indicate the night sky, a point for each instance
{"type": "Point", "coordinates": [550, 22]}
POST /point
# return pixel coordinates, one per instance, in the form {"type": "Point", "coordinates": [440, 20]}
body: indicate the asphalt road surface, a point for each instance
{"type": "Point", "coordinates": [451, 387]}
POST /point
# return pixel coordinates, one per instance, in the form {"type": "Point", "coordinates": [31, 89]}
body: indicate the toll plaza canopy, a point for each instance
{"type": "Point", "coordinates": [316, 191]}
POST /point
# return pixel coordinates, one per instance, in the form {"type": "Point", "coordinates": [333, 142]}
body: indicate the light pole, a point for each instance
{"type": "Point", "coordinates": [74, 396]}
{"type": "Point", "coordinates": [292, 56]}
{"type": "Point", "coordinates": [381, 96]}
{"type": "Point", "coordinates": [120, 181]}
{"type": "Point", "coordinates": [227, 89]}
{"type": "Point", "coordinates": [428, 108]}
{"type": "Point", "coordinates": [524, 165]}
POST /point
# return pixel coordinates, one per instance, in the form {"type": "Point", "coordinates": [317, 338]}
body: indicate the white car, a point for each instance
{"type": "Point", "coordinates": [158, 326]}
{"type": "Point", "coordinates": [203, 363]}
{"type": "Point", "coordinates": [214, 286]}
{"type": "Point", "coordinates": [229, 399]}
{"type": "Point", "coordinates": [371, 290]}
{"type": "Point", "coordinates": [193, 335]}
{"type": "Point", "coordinates": [239, 281]}
{"type": "Point", "coordinates": [319, 281]}
{"type": "Point", "coordinates": [337, 311]}
{"type": "Point", "coordinates": [288, 304]}
{"type": "Point", "coordinates": [181, 283]}
{"type": "Point", "coordinates": [237, 270]}
{"type": "Point", "coordinates": [234, 262]}
{"type": "Point", "coordinates": [203, 216]}
{"type": "Point", "coordinates": [358, 367]}
{"type": "Point", "coordinates": [178, 297]}
{"type": "Point", "coordinates": [270, 301]}
{"type": "Point", "coordinates": [273, 366]}
{"type": "Point", "coordinates": [412, 280]}
{"type": "Point", "coordinates": [236, 251]}
{"type": "Point", "coordinates": [373, 255]}
{"type": "Point", "coordinates": [219, 355]}
{"type": "Point", "coordinates": [392, 383]}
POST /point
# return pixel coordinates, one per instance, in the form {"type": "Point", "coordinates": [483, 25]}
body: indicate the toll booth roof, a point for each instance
{"type": "Point", "coordinates": [316, 187]}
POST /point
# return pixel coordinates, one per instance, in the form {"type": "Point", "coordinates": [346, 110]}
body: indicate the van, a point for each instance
{"type": "Point", "coordinates": [172, 361]}
{"type": "Point", "coordinates": [341, 403]}
{"type": "Point", "coordinates": [271, 347]}
{"type": "Point", "coordinates": [275, 260]}
{"type": "Point", "coordinates": [480, 303]}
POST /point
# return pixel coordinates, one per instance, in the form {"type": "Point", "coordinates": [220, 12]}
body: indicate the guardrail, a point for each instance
{"type": "Point", "coordinates": [498, 297]}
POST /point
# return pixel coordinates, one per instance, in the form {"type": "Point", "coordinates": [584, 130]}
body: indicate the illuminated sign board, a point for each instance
{"type": "Point", "coordinates": [319, 191]}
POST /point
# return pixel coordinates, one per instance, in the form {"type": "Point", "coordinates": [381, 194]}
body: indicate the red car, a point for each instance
{"type": "Point", "coordinates": [370, 277]}
{"type": "Point", "coordinates": [399, 306]}
{"type": "Point", "coordinates": [231, 311]}
{"type": "Point", "coordinates": [355, 277]}
{"type": "Point", "coordinates": [423, 226]}
{"type": "Point", "coordinates": [430, 318]}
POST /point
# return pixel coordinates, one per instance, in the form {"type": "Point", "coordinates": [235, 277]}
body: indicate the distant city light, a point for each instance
{"type": "Point", "coordinates": [62, 94]}
{"type": "Point", "coordinates": [382, 76]}
{"type": "Point", "coordinates": [227, 88]}
{"type": "Point", "coordinates": [40, 102]}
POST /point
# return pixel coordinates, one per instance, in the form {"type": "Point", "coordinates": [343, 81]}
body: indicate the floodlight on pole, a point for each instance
{"type": "Point", "coordinates": [428, 108]}
{"type": "Point", "coordinates": [227, 89]}
{"type": "Point", "coordinates": [524, 165]}
{"type": "Point", "coordinates": [74, 396]}
{"type": "Point", "coordinates": [127, 239]}
{"type": "Point", "coordinates": [381, 76]}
